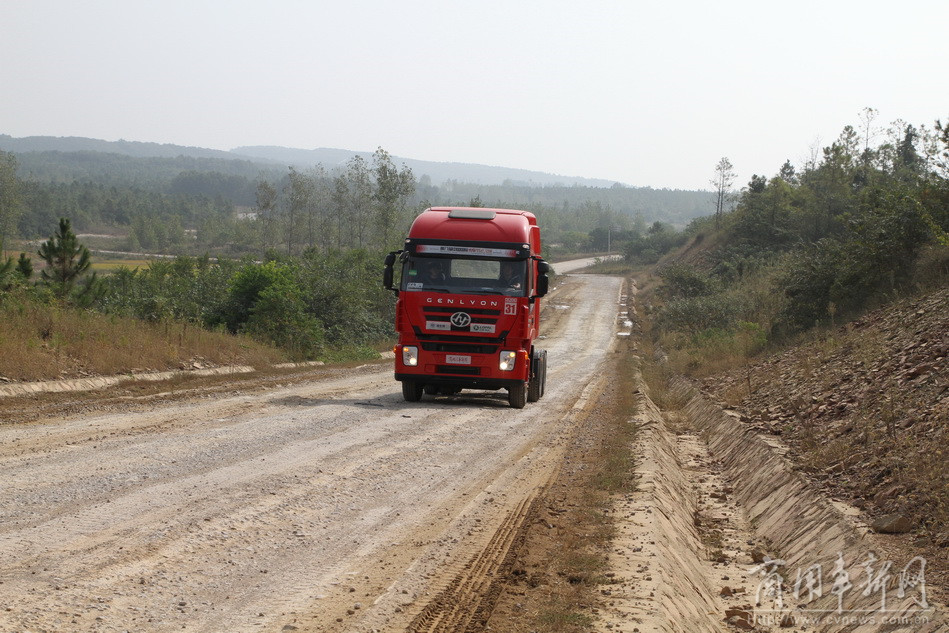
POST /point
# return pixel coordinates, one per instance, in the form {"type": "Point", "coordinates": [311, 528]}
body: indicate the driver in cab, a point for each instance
{"type": "Point", "coordinates": [434, 273]}
{"type": "Point", "coordinates": [512, 276]}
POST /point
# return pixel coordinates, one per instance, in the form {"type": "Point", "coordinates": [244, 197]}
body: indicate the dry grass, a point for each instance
{"type": "Point", "coordinates": [657, 373]}
{"type": "Point", "coordinates": [100, 263]}
{"type": "Point", "coordinates": [564, 621]}
{"type": "Point", "coordinates": [107, 265]}
{"type": "Point", "coordinates": [715, 350]}
{"type": "Point", "coordinates": [579, 557]}
{"type": "Point", "coordinates": [616, 466]}
{"type": "Point", "coordinates": [44, 342]}
{"type": "Point", "coordinates": [712, 352]}
{"type": "Point", "coordinates": [610, 267]}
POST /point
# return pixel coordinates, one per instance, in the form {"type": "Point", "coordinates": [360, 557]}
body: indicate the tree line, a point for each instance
{"type": "Point", "coordinates": [297, 269]}
{"type": "Point", "coordinates": [310, 305]}
{"type": "Point", "coordinates": [194, 205]}
{"type": "Point", "coordinates": [862, 221]}
{"type": "Point", "coordinates": [365, 206]}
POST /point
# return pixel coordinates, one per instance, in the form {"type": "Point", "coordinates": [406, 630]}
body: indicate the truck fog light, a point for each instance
{"type": "Point", "coordinates": [410, 356]}
{"type": "Point", "coordinates": [507, 361]}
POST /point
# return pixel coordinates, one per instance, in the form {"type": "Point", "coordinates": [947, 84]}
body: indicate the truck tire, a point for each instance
{"type": "Point", "coordinates": [517, 395]}
{"type": "Point", "coordinates": [535, 388]}
{"type": "Point", "coordinates": [543, 374]}
{"type": "Point", "coordinates": [412, 390]}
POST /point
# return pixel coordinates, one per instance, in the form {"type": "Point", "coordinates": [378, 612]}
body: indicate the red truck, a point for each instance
{"type": "Point", "coordinates": [468, 308]}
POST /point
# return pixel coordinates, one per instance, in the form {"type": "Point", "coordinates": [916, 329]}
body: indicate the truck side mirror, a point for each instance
{"type": "Point", "coordinates": [387, 272]}
{"type": "Point", "coordinates": [543, 281]}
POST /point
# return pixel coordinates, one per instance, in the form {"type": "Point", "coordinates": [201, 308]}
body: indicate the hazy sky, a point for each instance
{"type": "Point", "coordinates": [645, 93]}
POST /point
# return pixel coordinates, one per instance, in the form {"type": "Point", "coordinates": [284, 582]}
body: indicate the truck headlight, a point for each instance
{"type": "Point", "coordinates": [507, 361]}
{"type": "Point", "coordinates": [410, 355]}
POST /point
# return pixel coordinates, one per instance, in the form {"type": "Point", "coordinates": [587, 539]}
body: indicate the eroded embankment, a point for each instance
{"type": "Point", "coordinates": [722, 534]}
{"type": "Point", "coordinates": [818, 572]}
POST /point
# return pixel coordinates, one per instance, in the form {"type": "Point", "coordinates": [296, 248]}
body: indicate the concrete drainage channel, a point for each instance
{"type": "Point", "coordinates": [722, 534]}
{"type": "Point", "coordinates": [662, 584]}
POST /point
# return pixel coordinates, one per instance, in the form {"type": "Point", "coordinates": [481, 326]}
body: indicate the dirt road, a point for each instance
{"type": "Point", "coordinates": [331, 505]}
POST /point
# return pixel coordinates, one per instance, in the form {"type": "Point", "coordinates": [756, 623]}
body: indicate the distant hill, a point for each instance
{"type": "Point", "coordinates": [125, 148]}
{"type": "Point", "coordinates": [438, 172]}
{"type": "Point", "coordinates": [269, 157]}
{"type": "Point", "coordinates": [232, 175]}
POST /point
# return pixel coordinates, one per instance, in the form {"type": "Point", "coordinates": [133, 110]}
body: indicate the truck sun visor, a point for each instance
{"type": "Point", "coordinates": [475, 251]}
{"type": "Point", "coordinates": [472, 214]}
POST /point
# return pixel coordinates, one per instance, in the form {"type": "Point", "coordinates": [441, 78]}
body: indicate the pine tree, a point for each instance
{"type": "Point", "coordinates": [6, 273]}
{"type": "Point", "coordinates": [66, 260]}
{"type": "Point", "coordinates": [24, 266]}
{"type": "Point", "coordinates": [722, 182]}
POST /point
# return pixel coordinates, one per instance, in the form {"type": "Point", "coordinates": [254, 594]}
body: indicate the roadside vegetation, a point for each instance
{"type": "Point", "coordinates": [815, 307]}
{"type": "Point", "coordinates": [291, 260]}
{"type": "Point", "coordinates": [43, 340]}
{"type": "Point", "coordinates": [854, 229]}
{"type": "Point", "coordinates": [289, 264]}
{"type": "Point", "coordinates": [70, 321]}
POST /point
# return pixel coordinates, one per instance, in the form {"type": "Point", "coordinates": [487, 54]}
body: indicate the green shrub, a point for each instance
{"type": "Point", "coordinates": [684, 281]}
{"type": "Point", "coordinates": [279, 316]}
{"type": "Point", "coordinates": [695, 314]}
{"type": "Point", "coordinates": [807, 283]}
{"type": "Point", "coordinates": [876, 257]}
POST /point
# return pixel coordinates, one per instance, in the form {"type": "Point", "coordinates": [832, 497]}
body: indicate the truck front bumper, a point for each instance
{"type": "Point", "coordinates": [474, 371]}
{"type": "Point", "coordinates": [465, 382]}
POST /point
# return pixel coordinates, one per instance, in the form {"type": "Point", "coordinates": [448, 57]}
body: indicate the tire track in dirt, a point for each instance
{"type": "Point", "coordinates": [459, 604]}
{"type": "Point", "coordinates": [467, 600]}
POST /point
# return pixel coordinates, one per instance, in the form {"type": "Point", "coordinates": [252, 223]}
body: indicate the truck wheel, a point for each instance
{"type": "Point", "coordinates": [412, 390]}
{"type": "Point", "coordinates": [533, 387]}
{"type": "Point", "coordinates": [517, 395]}
{"type": "Point", "coordinates": [538, 382]}
{"type": "Point", "coordinates": [543, 373]}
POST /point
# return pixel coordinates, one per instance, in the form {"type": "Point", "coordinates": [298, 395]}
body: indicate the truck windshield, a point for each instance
{"type": "Point", "coordinates": [465, 275]}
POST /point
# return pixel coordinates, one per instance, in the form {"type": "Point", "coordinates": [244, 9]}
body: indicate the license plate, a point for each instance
{"type": "Point", "coordinates": [454, 359]}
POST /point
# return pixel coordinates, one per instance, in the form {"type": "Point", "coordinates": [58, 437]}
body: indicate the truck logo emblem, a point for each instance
{"type": "Point", "coordinates": [460, 319]}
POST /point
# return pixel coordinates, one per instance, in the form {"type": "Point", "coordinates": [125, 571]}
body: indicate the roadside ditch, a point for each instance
{"type": "Point", "coordinates": [713, 530]}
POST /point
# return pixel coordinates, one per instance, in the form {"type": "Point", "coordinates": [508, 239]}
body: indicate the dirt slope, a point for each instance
{"type": "Point", "coordinates": [865, 411]}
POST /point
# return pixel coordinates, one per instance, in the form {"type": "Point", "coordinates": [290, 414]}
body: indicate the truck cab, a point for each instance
{"type": "Point", "coordinates": [468, 307]}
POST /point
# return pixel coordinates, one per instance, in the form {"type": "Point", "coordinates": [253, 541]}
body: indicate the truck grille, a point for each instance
{"type": "Point", "coordinates": [458, 348]}
{"type": "Point", "coordinates": [455, 369]}
{"type": "Point", "coordinates": [458, 341]}
{"type": "Point", "coordinates": [442, 310]}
